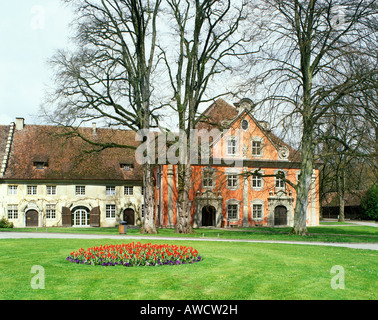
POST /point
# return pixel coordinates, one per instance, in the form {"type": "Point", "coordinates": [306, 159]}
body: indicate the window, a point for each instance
{"type": "Point", "coordinates": [12, 211]}
{"type": "Point", "coordinates": [110, 211]}
{"type": "Point", "coordinates": [110, 190]}
{"type": "Point", "coordinates": [128, 190]}
{"type": "Point", "coordinates": [40, 164]}
{"type": "Point", "coordinates": [257, 182]}
{"type": "Point", "coordinates": [232, 181]}
{"type": "Point", "coordinates": [12, 190]}
{"type": "Point", "coordinates": [280, 183]}
{"type": "Point", "coordinates": [31, 190]}
{"type": "Point", "coordinates": [126, 166]}
{"type": "Point", "coordinates": [207, 179]}
{"type": "Point", "coordinates": [256, 148]}
{"type": "Point", "coordinates": [50, 211]}
{"type": "Point", "coordinates": [245, 124]}
{"type": "Point", "coordinates": [81, 217]}
{"type": "Point", "coordinates": [51, 190]}
{"type": "Point", "coordinates": [80, 190]}
{"type": "Point", "coordinates": [232, 211]}
{"type": "Point", "coordinates": [257, 211]}
{"type": "Point", "coordinates": [257, 208]}
{"type": "Point", "coordinates": [231, 146]}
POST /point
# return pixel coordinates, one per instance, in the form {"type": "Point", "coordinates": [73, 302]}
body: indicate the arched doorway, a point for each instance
{"type": "Point", "coordinates": [280, 216]}
{"type": "Point", "coordinates": [208, 216]}
{"type": "Point", "coordinates": [129, 216]}
{"type": "Point", "coordinates": [80, 217]}
{"type": "Point", "coordinates": [32, 218]}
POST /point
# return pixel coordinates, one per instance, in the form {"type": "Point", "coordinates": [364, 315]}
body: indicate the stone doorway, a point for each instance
{"type": "Point", "coordinates": [32, 218]}
{"type": "Point", "coordinates": [280, 216]}
{"type": "Point", "coordinates": [129, 216]}
{"type": "Point", "coordinates": [208, 216]}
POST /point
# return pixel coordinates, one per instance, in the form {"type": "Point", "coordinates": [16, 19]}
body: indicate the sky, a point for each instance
{"type": "Point", "coordinates": [30, 32]}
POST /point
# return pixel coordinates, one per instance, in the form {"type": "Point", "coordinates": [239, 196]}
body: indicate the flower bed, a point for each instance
{"type": "Point", "coordinates": [135, 254]}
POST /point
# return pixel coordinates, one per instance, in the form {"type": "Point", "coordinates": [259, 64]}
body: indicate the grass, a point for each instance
{"type": "Point", "coordinates": [229, 271]}
{"type": "Point", "coordinates": [329, 233]}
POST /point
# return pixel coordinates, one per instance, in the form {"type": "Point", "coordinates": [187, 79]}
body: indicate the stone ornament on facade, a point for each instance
{"type": "Point", "coordinates": [283, 153]}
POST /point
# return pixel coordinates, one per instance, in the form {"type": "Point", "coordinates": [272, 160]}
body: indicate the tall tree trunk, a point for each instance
{"type": "Point", "coordinates": [304, 182]}
{"type": "Point", "coordinates": [341, 192]}
{"type": "Point", "coordinates": [148, 222]}
{"type": "Point", "coordinates": [184, 207]}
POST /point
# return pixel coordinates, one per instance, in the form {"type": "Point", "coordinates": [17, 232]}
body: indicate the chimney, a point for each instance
{"type": "Point", "coordinates": [94, 130]}
{"type": "Point", "coordinates": [20, 123]}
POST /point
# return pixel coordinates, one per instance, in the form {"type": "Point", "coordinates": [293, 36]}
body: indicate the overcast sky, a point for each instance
{"type": "Point", "coordinates": [30, 32]}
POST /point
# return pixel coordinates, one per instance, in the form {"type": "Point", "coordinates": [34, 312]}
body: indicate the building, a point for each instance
{"type": "Point", "coordinates": [223, 193]}
{"type": "Point", "coordinates": [48, 180]}
{"type": "Point", "coordinates": [352, 205]}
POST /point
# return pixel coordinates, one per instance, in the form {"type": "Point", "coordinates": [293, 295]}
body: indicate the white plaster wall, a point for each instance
{"type": "Point", "coordinates": [95, 195]}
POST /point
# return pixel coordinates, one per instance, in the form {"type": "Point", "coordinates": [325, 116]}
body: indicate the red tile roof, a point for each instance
{"type": "Point", "coordinates": [215, 114]}
{"type": "Point", "coordinates": [65, 157]}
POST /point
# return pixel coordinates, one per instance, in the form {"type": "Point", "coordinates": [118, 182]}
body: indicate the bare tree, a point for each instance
{"type": "Point", "coordinates": [108, 76]}
{"type": "Point", "coordinates": [310, 64]}
{"type": "Point", "coordinates": [208, 37]}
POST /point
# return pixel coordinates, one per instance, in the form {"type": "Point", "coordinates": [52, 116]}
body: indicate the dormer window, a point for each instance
{"type": "Point", "coordinates": [126, 166]}
{"type": "Point", "coordinates": [40, 164]}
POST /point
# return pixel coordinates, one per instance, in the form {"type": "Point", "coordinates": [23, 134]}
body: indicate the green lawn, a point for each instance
{"type": "Point", "coordinates": [228, 271]}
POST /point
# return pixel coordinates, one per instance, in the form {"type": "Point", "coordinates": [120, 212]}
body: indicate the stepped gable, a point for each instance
{"type": "Point", "coordinates": [71, 158]}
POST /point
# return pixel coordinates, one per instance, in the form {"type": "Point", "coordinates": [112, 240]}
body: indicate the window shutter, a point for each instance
{"type": "Point", "coordinates": [66, 217]}
{"type": "Point", "coordinates": [94, 217]}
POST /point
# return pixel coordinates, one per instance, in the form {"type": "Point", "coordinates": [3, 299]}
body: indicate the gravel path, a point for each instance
{"type": "Point", "coordinates": [37, 235]}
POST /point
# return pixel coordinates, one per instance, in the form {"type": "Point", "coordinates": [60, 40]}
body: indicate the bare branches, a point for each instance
{"type": "Point", "coordinates": [311, 65]}
{"type": "Point", "coordinates": [108, 76]}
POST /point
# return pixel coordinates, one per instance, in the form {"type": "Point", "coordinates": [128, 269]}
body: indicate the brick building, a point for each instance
{"type": "Point", "coordinates": [49, 180]}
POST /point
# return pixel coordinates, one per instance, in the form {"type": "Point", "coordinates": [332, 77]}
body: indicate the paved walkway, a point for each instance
{"type": "Point", "coordinates": [351, 223]}
{"type": "Point", "coordinates": [37, 235]}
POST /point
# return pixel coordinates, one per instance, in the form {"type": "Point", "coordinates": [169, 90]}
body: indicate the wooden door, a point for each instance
{"type": "Point", "coordinates": [32, 218]}
{"type": "Point", "coordinates": [280, 216]}
{"type": "Point", "coordinates": [129, 216]}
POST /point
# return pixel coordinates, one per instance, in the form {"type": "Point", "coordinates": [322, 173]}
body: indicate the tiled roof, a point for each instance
{"type": "Point", "coordinates": [65, 157]}
{"type": "Point", "coordinates": [215, 114]}
{"type": "Point", "coordinates": [352, 199]}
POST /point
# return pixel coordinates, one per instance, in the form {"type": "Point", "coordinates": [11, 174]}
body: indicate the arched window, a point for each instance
{"type": "Point", "coordinates": [80, 217]}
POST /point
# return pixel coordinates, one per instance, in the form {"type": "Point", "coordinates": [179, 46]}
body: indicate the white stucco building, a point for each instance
{"type": "Point", "coordinates": [48, 179]}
